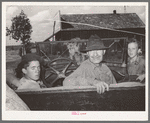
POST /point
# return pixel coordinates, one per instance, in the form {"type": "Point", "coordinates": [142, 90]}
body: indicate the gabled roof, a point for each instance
{"type": "Point", "coordinates": [113, 21]}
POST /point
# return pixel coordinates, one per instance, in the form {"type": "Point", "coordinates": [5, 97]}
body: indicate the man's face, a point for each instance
{"type": "Point", "coordinates": [32, 71]}
{"type": "Point", "coordinates": [132, 49]}
{"type": "Point", "coordinates": [96, 56]}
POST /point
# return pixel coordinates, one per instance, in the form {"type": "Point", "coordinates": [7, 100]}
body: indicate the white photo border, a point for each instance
{"type": "Point", "coordinates": [66, 115]}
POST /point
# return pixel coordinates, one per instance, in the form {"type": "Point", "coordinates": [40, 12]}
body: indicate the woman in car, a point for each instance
{"type": "Point", "coordinates": [28, 73]}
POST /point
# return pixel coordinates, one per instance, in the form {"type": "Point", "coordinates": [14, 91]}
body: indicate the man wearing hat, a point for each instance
{"type": "Point", "coordinates": [92, 72]}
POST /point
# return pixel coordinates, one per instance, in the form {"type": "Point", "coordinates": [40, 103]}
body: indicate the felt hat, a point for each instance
{"type": "Point", "coordinates": [94, 43]}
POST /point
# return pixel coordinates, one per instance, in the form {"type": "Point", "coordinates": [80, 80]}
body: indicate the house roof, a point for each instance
{"type": "Point", "coordinates": [113, 21]}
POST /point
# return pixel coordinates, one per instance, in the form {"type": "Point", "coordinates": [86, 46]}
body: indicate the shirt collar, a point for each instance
{"type": "Point", "coordinates": [93, 65]}
{"type": "Point", "coordinates": [136, 60]}
{"type": "Point", "coordinates": [26, 79]}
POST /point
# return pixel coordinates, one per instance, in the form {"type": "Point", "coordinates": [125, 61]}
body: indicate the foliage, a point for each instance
{"type": "Point", "coordinates": [8, 32]}
{"type": "Point", "coordinates": [20, 29]}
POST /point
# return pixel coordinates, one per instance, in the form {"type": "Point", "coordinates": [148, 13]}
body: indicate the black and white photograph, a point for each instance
{"type": "Point", "coordinates": [75, 61]}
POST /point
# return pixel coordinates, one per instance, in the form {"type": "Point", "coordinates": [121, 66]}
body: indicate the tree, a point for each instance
{"type": "Point", "coordinates": [20, 29]}
{"type": "Point", "coordinates": [8, 32]}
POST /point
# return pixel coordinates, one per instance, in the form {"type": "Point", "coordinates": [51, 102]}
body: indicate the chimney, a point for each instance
{"type": "Point", "coordinates": [114, 11]}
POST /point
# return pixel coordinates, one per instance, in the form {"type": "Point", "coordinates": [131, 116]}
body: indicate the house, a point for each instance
{"type": "Point", "coordinates": [83, 25]}
{"type": "Point", "coordinates": [111, 25]}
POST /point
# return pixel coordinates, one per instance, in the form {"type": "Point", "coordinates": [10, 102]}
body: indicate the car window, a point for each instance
{"type": "Point", "coordinates": [115, 52]}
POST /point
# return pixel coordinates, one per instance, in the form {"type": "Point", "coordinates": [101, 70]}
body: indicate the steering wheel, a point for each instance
{"type": "Point", "coordinates": [57, 69]}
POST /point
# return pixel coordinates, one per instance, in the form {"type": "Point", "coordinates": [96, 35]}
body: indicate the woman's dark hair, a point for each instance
{"type": "Point", "coordinates": [21, 65]}
{"type": "Point", "coordinates": [26, 59]}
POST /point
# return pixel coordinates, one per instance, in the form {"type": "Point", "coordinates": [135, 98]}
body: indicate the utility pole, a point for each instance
{"type": "Point", "coordinates": [54, 30]}
{"type": "Point", "coordinates": [124, 9]}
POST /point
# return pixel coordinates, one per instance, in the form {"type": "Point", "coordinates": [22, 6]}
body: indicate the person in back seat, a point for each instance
{"type": "Point", "coordinates": [136, 63]}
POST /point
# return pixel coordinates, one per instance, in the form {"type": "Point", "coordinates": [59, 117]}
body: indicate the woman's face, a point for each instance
{"type": "Point", "coordinates": [32, 71]}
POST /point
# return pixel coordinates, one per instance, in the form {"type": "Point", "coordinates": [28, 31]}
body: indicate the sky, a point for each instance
{"type": "Point", "coordinates": [42, 16]}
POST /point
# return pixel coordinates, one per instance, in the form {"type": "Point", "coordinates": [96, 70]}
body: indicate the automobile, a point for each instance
{"type": "Point", "coordinates": [126, 95]}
